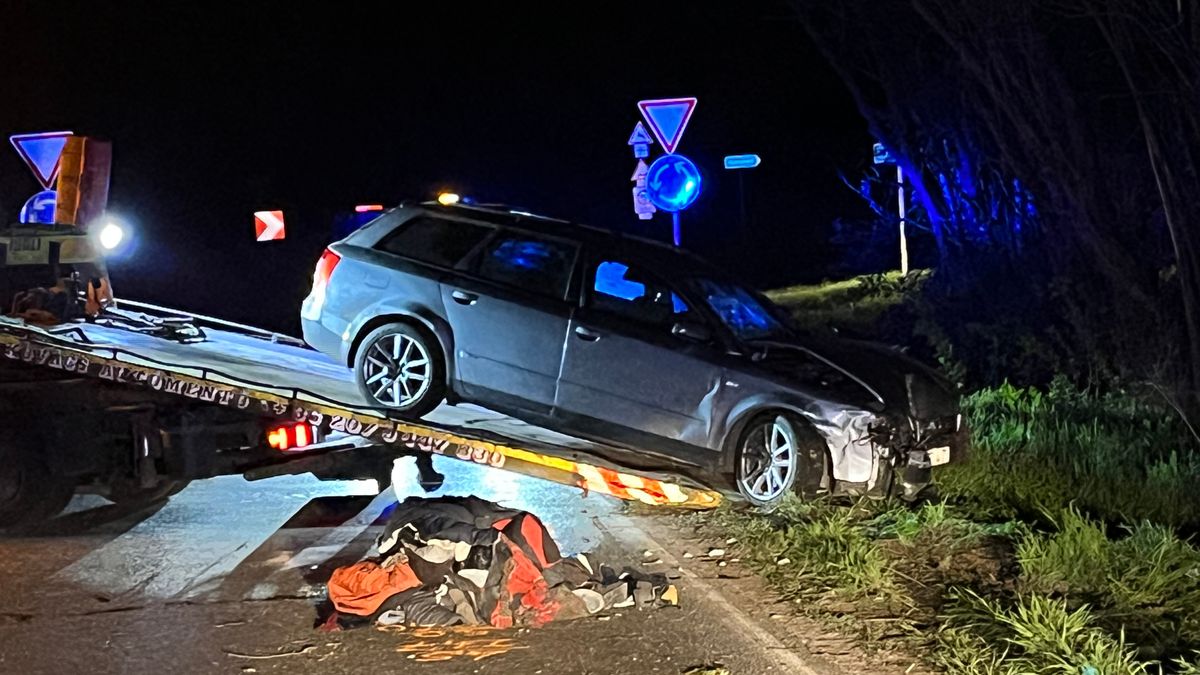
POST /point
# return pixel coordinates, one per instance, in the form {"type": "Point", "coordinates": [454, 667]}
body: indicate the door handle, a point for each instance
{"type": "Point", "coordinates": [585, 333]}
{"type": "Point", "coordinates": [464, 298]}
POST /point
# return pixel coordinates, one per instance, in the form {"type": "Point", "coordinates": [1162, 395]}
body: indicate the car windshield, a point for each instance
{"type": "Point", "coordinates": [739, 309]}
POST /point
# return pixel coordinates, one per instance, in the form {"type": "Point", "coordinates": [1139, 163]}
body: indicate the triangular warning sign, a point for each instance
{"type": "Point", "coordinates": [668, 117]}
{"type": "Point", "coordinates": [640, 135]}
{"type": "Point", "coordinates": [41, 153]}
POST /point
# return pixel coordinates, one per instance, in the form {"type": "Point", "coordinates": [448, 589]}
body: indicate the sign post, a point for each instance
{"type": "Point", "coordinates": [742, 162]}
{"type": "Point", "coordinates": [673, 181]}
{"type": "Point", "coordinates": [881, 155]}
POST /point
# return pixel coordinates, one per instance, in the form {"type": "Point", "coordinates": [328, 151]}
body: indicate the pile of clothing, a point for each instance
{"type": "Point", "coordinates": [466, 561]}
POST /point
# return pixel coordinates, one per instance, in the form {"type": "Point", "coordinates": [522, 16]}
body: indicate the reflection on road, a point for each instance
{"type": "Point", "coordinates": [227, 539]}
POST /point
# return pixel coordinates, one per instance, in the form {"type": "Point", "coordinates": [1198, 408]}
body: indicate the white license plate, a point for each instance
{"type": "Point", "coordinates": [939, 456]}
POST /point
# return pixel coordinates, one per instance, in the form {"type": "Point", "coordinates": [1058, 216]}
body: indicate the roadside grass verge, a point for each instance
{"type": "Point", "coordinates": [1112, 455]}
{"type": "Point", "coordinates": [853, 306]}
{"type": "Point", "coordinates": [1063, 544]}
{"type": "Point", "coordinates": [1001, 598]}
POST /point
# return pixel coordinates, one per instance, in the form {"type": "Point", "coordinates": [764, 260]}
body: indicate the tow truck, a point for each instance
{"type": "Point", "coordinates": [132, 401]}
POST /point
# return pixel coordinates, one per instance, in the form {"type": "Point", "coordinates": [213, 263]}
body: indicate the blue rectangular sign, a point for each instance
{"type": "Point", "coordinates": [742, 161]}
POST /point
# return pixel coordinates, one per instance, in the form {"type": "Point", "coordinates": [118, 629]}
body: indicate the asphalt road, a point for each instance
{"type": "Point", "coordinates": [226, 577]}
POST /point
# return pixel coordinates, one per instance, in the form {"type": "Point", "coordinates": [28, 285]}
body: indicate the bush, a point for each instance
{"type": "Point", "coordinates": [1033, 634]}
{"type": "Point", "coordinates": [1112, 455]}
{"type": "Point", "coordinates": [1145, 585]}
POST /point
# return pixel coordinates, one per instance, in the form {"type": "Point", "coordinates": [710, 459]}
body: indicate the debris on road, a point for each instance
{"type": "Point", "coordinates": [464, 561]}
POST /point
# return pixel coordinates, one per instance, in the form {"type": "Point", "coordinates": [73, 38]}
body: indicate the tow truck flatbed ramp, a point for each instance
{"type": "Point", "coordinates": [280, 378]}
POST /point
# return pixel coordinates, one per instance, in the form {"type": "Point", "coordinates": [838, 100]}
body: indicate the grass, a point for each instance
{"type": "Point", "coordinates": [1077, 598]}
{"type": "Point", "coordinates": [1112, 455]}
{"type": "Point", "coordinates": [852, 306]}
{"type": "Point", "coordinates": [1061, 546]}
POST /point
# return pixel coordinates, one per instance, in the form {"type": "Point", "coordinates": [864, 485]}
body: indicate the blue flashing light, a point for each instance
{"type": "Point", "coordinates": [673, 183]}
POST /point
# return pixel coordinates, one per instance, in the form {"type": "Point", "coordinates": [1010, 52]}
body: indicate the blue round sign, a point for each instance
{"type": "Point", "coordinates": [40, 208]}
{"type": "Point", "coordinates": [673, 183]}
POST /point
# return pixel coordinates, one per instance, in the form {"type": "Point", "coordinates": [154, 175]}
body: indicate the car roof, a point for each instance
{"type": "Point", "coordinates": [660, 257]}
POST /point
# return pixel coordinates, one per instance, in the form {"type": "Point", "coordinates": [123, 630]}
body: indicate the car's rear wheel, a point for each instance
{"type": "Point", "coordinates": [770, 459]}
{"type": "Point", "coordinates": [401, 369]}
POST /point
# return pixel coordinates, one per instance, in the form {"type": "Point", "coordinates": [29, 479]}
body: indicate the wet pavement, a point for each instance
{"type": "Point", "coordinates": [227, 575]}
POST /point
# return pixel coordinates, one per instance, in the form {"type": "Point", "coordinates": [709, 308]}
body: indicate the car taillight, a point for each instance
{"type": "Point", "coordinates": [290, 437]}
{"type": "Point", "coordinates": [325, 265]}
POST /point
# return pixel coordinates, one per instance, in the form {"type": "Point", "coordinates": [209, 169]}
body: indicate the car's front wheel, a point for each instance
{"type": "Point", "coordinates": [400, 368]}
{"type": "Point", "coordinates": [770, 459]}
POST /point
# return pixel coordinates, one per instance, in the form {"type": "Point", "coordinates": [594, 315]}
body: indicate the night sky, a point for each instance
{"type": "Point", "coordinates": [214, 114]}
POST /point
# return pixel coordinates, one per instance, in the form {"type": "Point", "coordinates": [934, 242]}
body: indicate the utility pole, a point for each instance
{"type": "Point", "coordinates": [882, 155]}
{"type": "Point", "coordinates": [903, 213]}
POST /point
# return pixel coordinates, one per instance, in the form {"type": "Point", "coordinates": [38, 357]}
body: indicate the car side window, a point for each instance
{"type": "Point", "coordinates": [528, 262]}
{"type": "Point", "coordinates": [437, 241]}
{"type": "Point", "coordinates": [631, 294]}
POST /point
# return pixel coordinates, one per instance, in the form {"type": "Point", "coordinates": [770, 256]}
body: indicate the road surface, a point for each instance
{"type": "Point", "coordinates": [226, 577]}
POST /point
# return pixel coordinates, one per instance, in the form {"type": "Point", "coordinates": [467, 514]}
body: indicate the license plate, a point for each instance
{"type": "Point", "coordinates": [939, 456]}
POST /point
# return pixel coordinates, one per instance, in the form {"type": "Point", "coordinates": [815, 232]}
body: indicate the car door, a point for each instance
{"type": "Point", "coordinates": [627, 366]}
{"type": "Point", "coordinates": [509, 314]}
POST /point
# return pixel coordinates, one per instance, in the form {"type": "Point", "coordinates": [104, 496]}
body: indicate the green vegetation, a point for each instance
{"type": "Point", "coordinates": [1112, 455]}
{"type": "Point", "coordinates": [854, 306]}
{"type": "Point", "coordinates": [984, 599]}
{"type": "Point", "coordinates": [1061, 546]}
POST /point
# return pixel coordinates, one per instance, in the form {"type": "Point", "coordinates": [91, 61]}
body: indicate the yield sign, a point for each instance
{"type": "Point", "coordinates": [668, 117]}
{"type": "Point", "coordinates": [268, 225]}
{"type": "Point", "coordinates": [41, 153]}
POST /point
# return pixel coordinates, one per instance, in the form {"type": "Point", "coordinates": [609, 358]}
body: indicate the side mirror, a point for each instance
{"type": "Point", "coordinates": [691, 331]}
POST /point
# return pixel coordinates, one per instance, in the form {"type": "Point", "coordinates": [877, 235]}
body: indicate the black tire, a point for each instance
{"type": "Point", "coordinates": [30, 493]}
{"type": "Point", "coordinates": [376, 347]}
{"type": "Point", "coordinates": [764, 485]}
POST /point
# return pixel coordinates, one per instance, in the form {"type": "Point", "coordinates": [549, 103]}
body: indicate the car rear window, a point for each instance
{"type": "Point", "coordinates": [435, 240]}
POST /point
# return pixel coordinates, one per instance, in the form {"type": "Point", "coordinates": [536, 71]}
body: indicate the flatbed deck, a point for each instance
{"type": "Point", "coordinates": [282, 379]}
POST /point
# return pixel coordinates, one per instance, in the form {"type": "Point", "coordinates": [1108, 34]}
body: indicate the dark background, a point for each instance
{"type": "Point", "coordinates": [216, 111]}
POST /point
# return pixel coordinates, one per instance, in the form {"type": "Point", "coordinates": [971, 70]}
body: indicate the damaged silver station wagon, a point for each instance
{"type": "Point", "coordinates": [645, 348]}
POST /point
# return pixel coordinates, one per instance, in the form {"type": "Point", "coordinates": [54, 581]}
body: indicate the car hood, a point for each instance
{"type": "Point", "coordinates": [862, 373]}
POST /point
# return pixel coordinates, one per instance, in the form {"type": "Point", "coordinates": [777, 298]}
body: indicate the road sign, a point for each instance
{"type": "Point", "coordinates": [673, 182]}
{"type": "Point", "coordinates": [642, 206]}
{"type": "Point", "coordinates": [881, 154]}
{"type": "Point", "coordinates": [41, 153]}
{"type": "Point", "coordinates": [268, 225]}
{"type": "Point", "coordinates": [639, 173]}
{"type": "Point", "coordinates": [742, 161]}
{"type": "Point", "coordinates": [668, 118]}
{"type": "Point", "coordinates": [39, 209]}
{"type": "Point", "coordinates": [640, 135]}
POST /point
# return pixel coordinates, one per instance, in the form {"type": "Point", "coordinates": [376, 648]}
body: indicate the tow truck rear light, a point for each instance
{"type": "Point", "coordinates": [291, 437]}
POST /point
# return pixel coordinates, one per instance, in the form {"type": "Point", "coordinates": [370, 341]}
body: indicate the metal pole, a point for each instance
{"type": "Point", "coordinates": [675, 226]}
{"type": "Point", "coordinates": [742, 197]}
{"type": "Point", "coordinates": [903, 237]}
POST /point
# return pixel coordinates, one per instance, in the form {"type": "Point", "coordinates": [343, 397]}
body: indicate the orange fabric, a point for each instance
{"type": "Point", "coordinates": [534, 534]}
{"type": "Point", "coordinates": [524, 578]}
{"type": "Point", "coordinates": [362, 587]}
